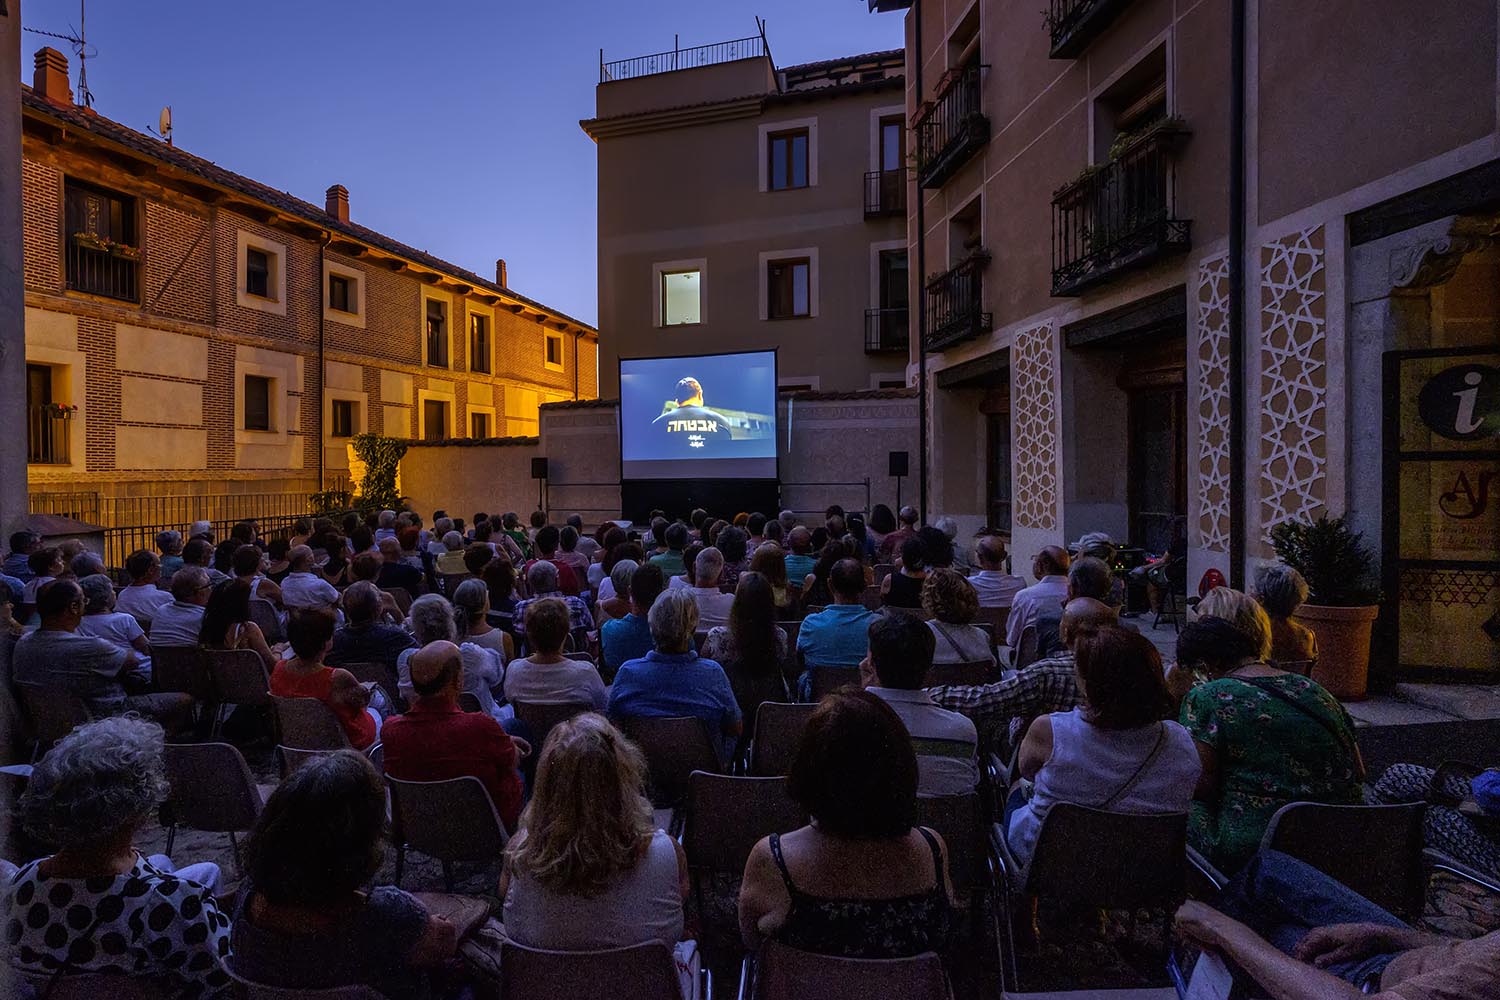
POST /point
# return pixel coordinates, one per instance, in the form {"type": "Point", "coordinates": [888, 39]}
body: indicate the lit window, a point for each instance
{"type": "Point", "coordinates": [257, 403]}
{"type": "Point", "coordinates": [681, 297]}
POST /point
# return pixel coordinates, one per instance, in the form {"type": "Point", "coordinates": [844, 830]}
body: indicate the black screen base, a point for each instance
{"type": "Point", "coordinates": [678, 497]}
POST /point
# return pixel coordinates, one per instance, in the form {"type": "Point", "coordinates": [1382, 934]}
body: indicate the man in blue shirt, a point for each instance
{"type": "Point", "coordinates": [22, 544]}
{"type": "Point", "coordinates": [799, 561]}
{"type": "Point", "coordinates": [673, 680]}
{"type": "Point", "coordinates": [837, 636]}
{"type": "Point", "coordinates": [629, 638]}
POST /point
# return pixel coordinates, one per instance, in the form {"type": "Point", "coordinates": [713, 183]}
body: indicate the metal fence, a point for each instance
{"type": "Point", "coordinates": [693, 58]}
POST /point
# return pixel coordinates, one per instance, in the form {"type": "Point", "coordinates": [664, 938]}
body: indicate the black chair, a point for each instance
{"type": "Point", "coordinates": [674, 748]}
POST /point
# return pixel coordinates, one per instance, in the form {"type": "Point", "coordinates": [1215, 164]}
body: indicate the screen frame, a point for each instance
{"type": "Point", "coordinates": [775, 353]}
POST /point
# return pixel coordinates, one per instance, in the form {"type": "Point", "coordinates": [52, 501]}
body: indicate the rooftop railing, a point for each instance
{"type": "Point", "coordinates": [693, 58]}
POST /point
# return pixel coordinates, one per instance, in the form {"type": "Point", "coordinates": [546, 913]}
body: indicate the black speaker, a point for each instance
{"type": "Point", "coordinates": [898, 463]}
{"type": "Point", "coordinates": [539, 468]}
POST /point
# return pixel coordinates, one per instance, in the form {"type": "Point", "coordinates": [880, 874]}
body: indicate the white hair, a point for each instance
{"type": "Point", "coordinates": [621, 575]}
{"type": "Point", "coordinates": [708, 567]}
{"type": "Point", "coordinates": [431, 619]}
{"type": "Point", "coordinates": [101, 778]}
{"type": "Point", "coordinates": [453, 541]}
{"type": "Point", "coordinates": [98, 593]}
{"type": "Point", "coordinates": [673, 619]}
{"type": "Point", "coordinates": [387, 518]}
{"type": "Point", "coordinates": [947, 526]}
{"type": "Point", "coordinates": [542, 577]}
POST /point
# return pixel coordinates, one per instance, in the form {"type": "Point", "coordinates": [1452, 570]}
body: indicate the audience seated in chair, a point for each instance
{"type": "Point", "coordinates": [629, 638]}
{"type": "Point", "coordinates": [450, 562]}
{"type": "Point", "coordinates": [589, 869]}
{"type": "Point", "coordinates": [946, 743]}
{"type": "Point", "coordinates": [435, 740]}
{"type": "Point", "coordinates": [674, 539]}
{"type": "Point", "coordinates": [951, 606]}
{"type": "Point", "coordinates": [1044, 597]}
{"type": "Point", "coordinates": [1266, 737]}
{"type": "Point", "coordinates": [1281, 590]}
{"type": "Point", "coordinates": [22, 544]}
{"type": "Point", "coordinates": [672, 679]}
{"type": "Point", "coordinates": [249, 564]}
{"type": "Point", "coordinates": [199, 551]}
{"type": "Point", "coordinates": [770, 562]}
{"type": "Point", "coordinates": [713, 604]}
{"type": "Point", "coordinates": [1088, 576]}
{"type": "Point", "coordinates": [800, 561]}
{"type": "Point", "coordinates": [365, 637]}
{"type": "Point", "coordinates": [305, 675]}
{"type": "Point", "coordinates": [1113, 752]}
{"type": "Point", "coordinates": [227, 624]}
{"type": "Point", "coordinates": [996, 588]}
{"type": "Point", "coordinates": [541, 578]}
{"type": "Point", "coordinates": [143, 597]}
{"type": "Point", "coordinates": [568, 540]}
{"type": "Point", "coordinates": [889, 548]}
{"type": "Point", "coordinates": [431, 620]}
{"type": "Point", "coordinates": [98, 673]}
{"type": "Point", "coordinates": [47, 564]}
{"type": "Point", "coordinates": [618, 604]}
{"type": "Point", "coordinates": [903, 588]}
{"type": "Point", "coordinates": [471, 608]}
{"type": "Point", "coordinates": [547, 676]}
{"type": "Point", "coordinates": [546, 543]}
{"type": "Point", "coordinates": [752, 648]}
{"type": "Point", "coordinates": [101, 620]}
{"type": "Point", "coordinates": [394, 571]}
{"type": "Point", "coordinates": [862, 880]}
{"type": "Point", "coordinates": [306, 918]}
{"type": "Point", "coordinates": [303, 589]}
{"type": "Point", "coordinates": [837, 636]}
{"type": "Point", "coordinates": [1299, 935]}
{"type": "Point", "coordinates": [181, 622]}
{"type": "Point", "coordinates": [97, 904]}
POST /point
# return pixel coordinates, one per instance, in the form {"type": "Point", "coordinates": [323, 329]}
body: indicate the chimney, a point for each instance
{"type": "Point", "coordinates": [500, 273]}
{"type": "Point", "coordinates": [337, 204]}
{"type": "Point", "coordinates": [51, 78]}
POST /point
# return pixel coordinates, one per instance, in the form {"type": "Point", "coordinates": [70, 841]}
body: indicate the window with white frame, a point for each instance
{"type": "Point", "coordinates": [681, 297]}
{"type": "Point", "coordinates": [435, 419]}
{"type": "Point", "coordinates": [435, 313]}
{"type": "Point", "coordinates": [789, 283]}
{"type": "Point", "coordinates": [788, 154]}
{"type": "Point", "coordinates": [345, 418]}
{"type": "Point", "coordinates": [553, 348]}
{"type": "Point", "coordinates": [343, 294]}
{"type": "Point", "coordinates": [258, 395]}
{"type": "Point", "coordinates": [479, 424]}
{"type": "Point", "coordinates": [479, 342]}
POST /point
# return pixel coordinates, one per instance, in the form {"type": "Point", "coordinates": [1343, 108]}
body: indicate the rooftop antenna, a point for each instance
{"type": "Point", "coordinates": [82, 49]}
{"type": "Point", "coordinates": [163, 128]}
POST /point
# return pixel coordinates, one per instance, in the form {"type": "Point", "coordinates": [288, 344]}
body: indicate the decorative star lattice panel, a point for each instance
{"type": "Point", "coordinates": [1293, 381]}
{"type": "Point", "coordinates": [1213, 404]}
{"type": "Point", "coordinates": [1449, 588]}
{"type": "Point", "coordinates": [1035, 429]}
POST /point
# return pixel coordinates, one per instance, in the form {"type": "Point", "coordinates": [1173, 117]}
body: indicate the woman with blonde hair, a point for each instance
{"type": "Point", "coordinates": [951, 605]}
{"type": "Point", "coordinates": [770, 562]}
{"type": "Point", "coordinates": [588, 868]}
{"type": "Point", "coordinates": [1243, 612]}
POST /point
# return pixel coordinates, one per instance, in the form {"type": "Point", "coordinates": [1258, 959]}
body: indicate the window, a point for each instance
{"type": "Point", "coordinates": [681, 298]}
{"type": "Point", "coordinates": [339, 293]}
{"type": "Point", "coordinates": [479, 425]}
{"type": "Point", "coordinates": [258, 273]}
{"type": "Point", "coordinates": [788, 289]}
{"type": "Point", "coordinates": [343, 418]}
{"type": "Point", "coordinates": [257, 403]}
{"type": "Point", "coordinates": [102, 252]}
{"type": "Point", "coordinates": [787, 166]}
{"type": "Point", "coordinates": [437, 333]}
{"type": "Point", "coordinates": [434, 420]}
{"type": "Point", "coordinates": [479, 343]}
{"type": "Point", "coordinates": [892, 142]}
{"type": "Point", "coordinates": [1130, 106]}
{"type": "Point", "coordinates": [554, 349]}
{"type": "Point", "coordinates": [893, 290]}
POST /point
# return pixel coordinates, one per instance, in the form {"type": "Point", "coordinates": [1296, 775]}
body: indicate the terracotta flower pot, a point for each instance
{"type": "Point", "coordinates": [1343, 647]}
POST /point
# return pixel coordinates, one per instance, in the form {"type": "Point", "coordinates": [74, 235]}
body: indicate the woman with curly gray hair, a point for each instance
{"type": "Point", "coordinates": [97, 905]}
{"type": "Point", "coordinates": [1281, 590]}
{"type": "Point", "coordinates": [431, 620]}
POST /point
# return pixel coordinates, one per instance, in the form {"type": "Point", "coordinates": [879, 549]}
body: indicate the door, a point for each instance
{"type": "Point", "coordinates": [997, 433]}
{"type": "Point", "coordinates": [892, 163]}
{"type": "Point", "coordinates": [1157, 477]}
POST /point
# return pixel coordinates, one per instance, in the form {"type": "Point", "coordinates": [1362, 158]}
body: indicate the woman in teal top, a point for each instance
{"type": "Point", "coordinates": [1266, 738]}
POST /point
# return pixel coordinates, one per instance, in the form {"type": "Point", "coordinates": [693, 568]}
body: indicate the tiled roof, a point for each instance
{"type": "Point", "coordinates": [149, 146]}
{"type": "Point", "coordinates": [885, 55]}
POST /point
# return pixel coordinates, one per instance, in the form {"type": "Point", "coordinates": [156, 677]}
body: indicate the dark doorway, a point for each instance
{"type": "Point", "coordinates": [1157, 486]}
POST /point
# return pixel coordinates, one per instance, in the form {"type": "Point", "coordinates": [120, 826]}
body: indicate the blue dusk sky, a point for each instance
{"type": "Point", "coordinates": [453, 123]}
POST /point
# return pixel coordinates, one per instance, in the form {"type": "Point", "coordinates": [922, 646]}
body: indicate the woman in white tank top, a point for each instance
{"type": "Point", "coordinates": [1115, 751]}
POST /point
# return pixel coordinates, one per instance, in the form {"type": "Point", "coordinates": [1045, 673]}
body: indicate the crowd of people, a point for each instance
{"type": "Point", "coordinates": [701, 618]}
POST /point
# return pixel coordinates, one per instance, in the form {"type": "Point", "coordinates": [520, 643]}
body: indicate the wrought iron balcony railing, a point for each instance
{"type": "Point", "coordinates": [951, 129]}
{"type": "Point", "coordinates": [886, 330]}
{"type": "Point", "coordinates": [955, 304]}
{"type": "Point", "coordinates": [885, 192]}
{"type": "Point", "coordinates": [1073, 24]}
{"type": "Point", "coordinates": [693, 58]}
{"type": "Point", "coordinates": [102, 272]}
{"type": "Point", "coordinates": [48, 441]}
{"type": "Point", "coordinates": [1119, 215]}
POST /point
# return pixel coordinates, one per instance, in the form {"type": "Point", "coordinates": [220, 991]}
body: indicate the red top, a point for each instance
{"type": "Point", "coordinates": [358, 725]}
{"type": "Point", "coordinates": [567, 580]}
{"type": "Point", "coordinates": [431, 743]}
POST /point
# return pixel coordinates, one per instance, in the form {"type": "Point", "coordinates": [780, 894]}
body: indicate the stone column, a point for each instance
{"type": "Point", "coordinates": [12, 284]}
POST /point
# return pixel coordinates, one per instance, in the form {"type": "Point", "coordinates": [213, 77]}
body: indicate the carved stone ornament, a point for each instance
{"type": "Point", "coordinates": [1429, 263]}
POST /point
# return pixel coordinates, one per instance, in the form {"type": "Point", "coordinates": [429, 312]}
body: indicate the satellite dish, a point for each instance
{"type": "Point", "coordinates": [164, 123]}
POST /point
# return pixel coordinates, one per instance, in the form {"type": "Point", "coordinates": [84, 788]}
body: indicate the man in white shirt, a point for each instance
{"type": "Point", "coordinates": [995, 587]}
{"type": "Point", "coordinates": [713, 605]}
{"type": "Point", "coordinates": [179, 623]}
{"type": "Point", "coordinates": [143, 597]}
{"type": "Point", "coordinates": [304, 589]}
{"type": "Point", "coordinates": [1045, 597]}
{"type": "Point", "coordinates": [946, 742]}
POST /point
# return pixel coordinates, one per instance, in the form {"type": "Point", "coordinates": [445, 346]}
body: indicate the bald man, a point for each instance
{"type": "Point", "coordinates": [304, 587]}
{"type": "Point", "coordinates": [1045, 597]}
{"type": "Point", "coordinates": [436, 739]}
{"type": "Point", "coordinates": [1006, 707]}
{"type": "Point", "coordinates": [995, 587]}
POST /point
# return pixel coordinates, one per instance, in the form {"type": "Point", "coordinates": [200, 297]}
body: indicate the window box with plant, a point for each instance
{"type": "Point", "coordinates": [1343, 598]}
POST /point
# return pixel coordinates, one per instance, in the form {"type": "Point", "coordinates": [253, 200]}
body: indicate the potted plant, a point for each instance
{"type": "Point", "coordinates": [1343, 598]}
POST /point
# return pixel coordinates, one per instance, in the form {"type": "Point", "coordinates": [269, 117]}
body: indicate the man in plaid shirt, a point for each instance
{"type": "Point", "coordinates": [1007, 706]}
{"type": "Point", "coordinates": [541, 578]}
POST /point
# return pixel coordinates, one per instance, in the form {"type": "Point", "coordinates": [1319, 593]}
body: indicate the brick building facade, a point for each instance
{"type": "Point", "coordinates": [176, 315]}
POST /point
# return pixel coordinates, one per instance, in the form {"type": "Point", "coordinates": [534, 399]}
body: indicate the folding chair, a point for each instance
{"type": "Point", "coordinates": [308, 724]}
{"type": "Point", "coordinates": [727, 816]}
{"type": "Point", "coordinates": [826, 679]}
{"type": "Point", "coordinates": [540, 719]}
{"type": "Point", "coordinates": [92, 985]}
{"type": "Point", "coordinates": [782, 973]}
{"type": "Point", "coordinates": [382, 674]}
{"type": "Point", "coordinates": [259, 991]}
{"type": "Point", "coordinates": [870, 597]}
{"type": "Point", "coordinates": [265, 615]}
{"type": "Point", "coordinates": [401, 597]}
{"type": "Point", "coordinates": [180, 668]}
{"type": "Point", "coordinates": [960, 821]}
{"type": "Point", "coordinates": [53, 713]}
{"type": "Point", "coordinates": [1374, 850]}
{"type": "Point", "coordinates": [883, 570]}
{"type": "Point", "coordinates": [469, 702]}
{"type": "Point", "coordinates": [452, 820]}
{"type": "Point", "coordinates": [968, 672]}
{"type": "Point", "coordinates": [293, 758]}
{"type": "Point", "coordinates": [235, 677]}
{"type": "Point", "coordinates": [212, 790]}
{"type": "Point", "coordinates": [448, 582]}
{"type": "Point", "coordinates": [1303, 668]}
{"type": "Point", "coordinates": [674, 748]}
{"type": "Point", "coordinates": [1026, 652]}
{"type": "Point", "coordinates": [778, 728]}
{"type": "Point", "coordinates": [642, 972]}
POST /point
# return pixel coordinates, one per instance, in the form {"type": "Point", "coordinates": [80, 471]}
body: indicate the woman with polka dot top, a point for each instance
{"type": "Point", "coordinates": [97, 905]}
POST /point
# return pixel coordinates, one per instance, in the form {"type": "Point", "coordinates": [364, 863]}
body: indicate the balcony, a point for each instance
{"type": "Point", "coordinates": [48, 437]}
{"type": "Point", "coordinates": [108, 270]}
{"type": "Point", "coordinates": [886, 331]}
{"type": "Point", "coordinates": [955, 304]}
{"type": "Point", "coordinates": [951, 129]}
{"type": "Point", "coordinates": [885, 193]}
{"type": "Point", "coordinates": [1120, 215]}
{"type": "Point", "coordinates": [1073, 24]}
{"type": "Point", "coordinates": [692, 58]}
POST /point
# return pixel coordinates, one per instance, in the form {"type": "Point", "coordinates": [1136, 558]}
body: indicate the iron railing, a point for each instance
{"type": "Point", "coordinates": [1073, 24]}
{"type": "Point", "coordinates": [693, 58]}
{"type": "Point", "coordinates": [48, 436]}
{"type": "Point", "coordinates": [955, 304]}
{"type": "Point", "coordinates": [1119, 215]}
{"type": "Point", "coordinates": [886, 330]}
{"type": "Point", "coordinates": [951, 129]}
{"type": "Point", "coordinates": [100, 272]}
{"type": "Point", "coordinates": [885, 192]}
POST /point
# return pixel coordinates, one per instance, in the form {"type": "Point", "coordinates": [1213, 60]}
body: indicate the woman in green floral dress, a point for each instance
{"type": "Point", "coordinates": [1266, 737]}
